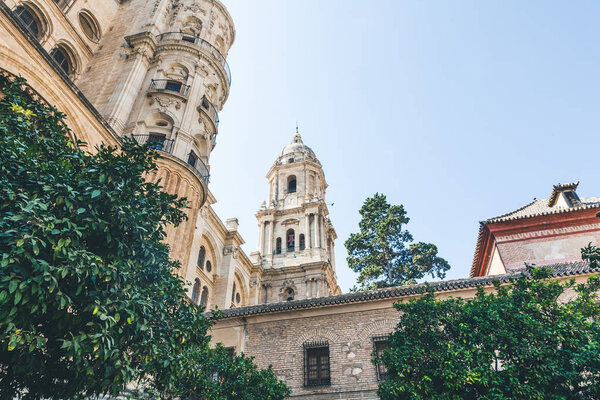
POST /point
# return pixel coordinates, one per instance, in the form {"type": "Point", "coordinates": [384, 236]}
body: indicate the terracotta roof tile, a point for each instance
{"type": "Point", "coordinates": [541, 207]}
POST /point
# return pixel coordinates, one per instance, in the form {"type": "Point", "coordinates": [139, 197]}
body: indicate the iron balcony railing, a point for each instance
{"type": "Point", "coordinates": [169, 85]}
{"type": "Point", "coordinates": [199, 166]}
{"type": "Point", "coordinates": [186, 37]}
{"type": "Point", "coordinates": [208, 107]}
{"type": "Point", "coordinates": [155, 142]}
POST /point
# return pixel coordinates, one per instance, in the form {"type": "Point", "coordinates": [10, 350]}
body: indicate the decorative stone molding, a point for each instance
{"type": "Point", "coordinates": [233, 250]}
{"type": "Point", "coordinates": [165, 102]}
{"type": "Point", "coordinates": [195, 8]}
{"type": "Point", "coordinates": [204, 212]}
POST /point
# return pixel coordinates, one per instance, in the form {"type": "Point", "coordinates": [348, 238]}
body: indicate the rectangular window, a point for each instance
{"type": "Point", "coordinates": [380, 343]}
{"type": "Point", "coordinates": [316, 364]}
{"type": "Point", "coordinates": [192, 159]}
{"type": "Point", "coordinates": [188, 38]}
{"type": "Point", "coordinates": [173, 86]}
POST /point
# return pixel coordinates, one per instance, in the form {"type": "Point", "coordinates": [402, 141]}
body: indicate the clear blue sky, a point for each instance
{"type": "Point", "coordinates": [460, 110]}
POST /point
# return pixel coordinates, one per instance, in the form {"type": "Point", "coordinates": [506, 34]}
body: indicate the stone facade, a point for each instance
{"type": "Point", "coordinates": [155, 71]}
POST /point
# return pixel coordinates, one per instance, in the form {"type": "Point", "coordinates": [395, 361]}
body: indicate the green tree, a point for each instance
{"type": "Point", "coordinates": [217, 374]}
{"type": "Point", "coordinates": [521, 341]}
{"type": "Point", "coordinates": [89, 300]}
{"type": "Point", "coordinates": [379, 252]}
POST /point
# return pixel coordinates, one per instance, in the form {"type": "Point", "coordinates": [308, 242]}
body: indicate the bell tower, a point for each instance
{"type": "Point", "coordinates": [296, 237]}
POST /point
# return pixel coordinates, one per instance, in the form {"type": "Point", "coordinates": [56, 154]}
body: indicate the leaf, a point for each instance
{"type": "Point", "coordinates": [95, 193]}
{"type": "Point", "coordinates": [18, 296]}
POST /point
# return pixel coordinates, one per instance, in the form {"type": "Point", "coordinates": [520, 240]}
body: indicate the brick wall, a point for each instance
{"type": "Point", "coordinates": [350, 336]}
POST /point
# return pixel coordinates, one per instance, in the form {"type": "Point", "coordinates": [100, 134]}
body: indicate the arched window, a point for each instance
{"type": "Point", "coordinates": [302, 242]}
{"type": "Point", "coordinates": [204, 297]}
{"type": "Point", "coordinates": [31, 21]}
{"type": "Point", "coordinates": [89, 26]}
{"type": "Point", "coordinates": [289, 294]}
{"type": "Point", "coordinates": [291, 184]}
{"type": "Point", "coordinates": [278, 246]}
{"type": "Point", "coordinates": [201, 256]}
{"type": "Point", "coordinates": [208, 266]}
{"type": "Point", "coordinates": [290, 240]}
{"type": "Point", "coordinates": [195, 291]}
{"type": "Point", "coordinates": [64, 59]}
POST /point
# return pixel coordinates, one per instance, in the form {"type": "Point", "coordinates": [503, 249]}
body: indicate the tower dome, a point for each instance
{"type": "Point", "coordinates": [296, 151]}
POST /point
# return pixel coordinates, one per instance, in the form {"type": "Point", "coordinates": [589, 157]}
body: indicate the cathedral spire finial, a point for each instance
{"type": "Point", "coordinates": [297, 137]}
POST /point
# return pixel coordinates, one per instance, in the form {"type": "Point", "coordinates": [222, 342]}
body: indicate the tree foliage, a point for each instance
{"type": "Point", "coordinates": [522, 341]}
{"type": "Point", "coordinates": [383, 253]}
{"type": "Point", "coordinates": [89, 300]}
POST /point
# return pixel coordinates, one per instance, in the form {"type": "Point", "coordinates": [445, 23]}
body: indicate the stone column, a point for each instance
{"type": "Point", "coordinates": [319, 230]}
{"type": "Point", "coordinates": [323, 234]}
{"type": "Point", "coordinates": [306, 231]}
{"type": "Point", "coordinates": [261, 235]}
{"type": "Point", "coordinates": [125, 94]}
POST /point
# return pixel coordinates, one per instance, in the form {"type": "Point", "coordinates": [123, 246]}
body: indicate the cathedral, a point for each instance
{"type": "Point", "coordinates": [161, 77]}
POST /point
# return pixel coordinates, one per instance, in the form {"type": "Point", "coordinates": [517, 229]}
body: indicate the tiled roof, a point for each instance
{"type": "Point", "coordinates": [560, 269]}
{"type": "Point", "coordinates": [541, 207]}
{"type": "Point", "coordinates": [558, 189]}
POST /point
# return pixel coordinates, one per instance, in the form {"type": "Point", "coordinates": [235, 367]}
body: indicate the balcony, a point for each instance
{"type": "Point", "coordinates": [168, 85]}
{"type": "Point", "coordinates": [209, 108]}
{"type": "Point", "coordinates": [199, 166]}
{"type": "Point", "coordinates": [160, 143]}
{"type": "Point", "coordinates": [206, 46]}
{"type": "Point", "coordinates": [156, 142]}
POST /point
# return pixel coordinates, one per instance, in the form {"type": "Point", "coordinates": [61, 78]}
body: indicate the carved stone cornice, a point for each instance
{"type": "Point", "coordinates": [233, 250]}
{"type": "Point", "coordinates": [142, 44]}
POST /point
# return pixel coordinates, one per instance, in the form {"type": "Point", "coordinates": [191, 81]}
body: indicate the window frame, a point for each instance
{"type": "Point", "coordinates": [38, 18]}
{"type": "Point", "coordinates": [196, 291]}
{"type": "Point", "coordinates": [201, 257]}
{"type": "Point", "coordinates": [317, 350]}
{"type": "Point", "coordinates": [204, 293]}
{"type": "Point", "coordinates": [89, 19]}
{"type": "Point", "coordinates": [380, 369]}
{"type": "Point", "coordinates": [192, 158]}
{"type": "Point", "coordinates": [292, 184]}
{"type": "Point", "coordinates": [290, 245]}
